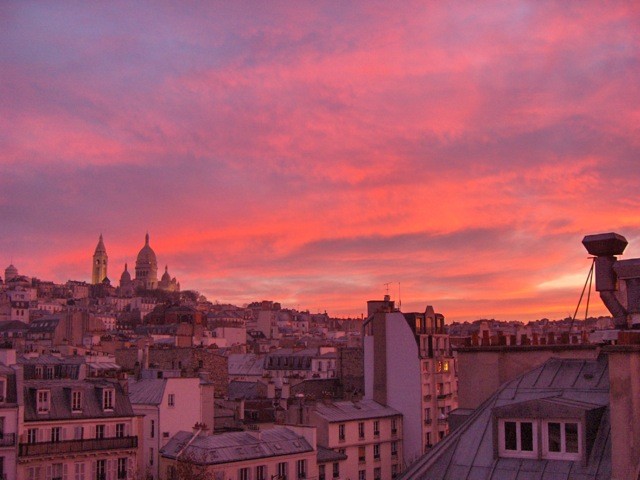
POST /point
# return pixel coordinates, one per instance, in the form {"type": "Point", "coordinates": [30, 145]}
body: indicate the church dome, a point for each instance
{"type": "Point", "coordinates": [126, 276]}
{"type": "Point", "coordinates": [146, 256]}
{"type": "Point", "coordinates": [166, 277]}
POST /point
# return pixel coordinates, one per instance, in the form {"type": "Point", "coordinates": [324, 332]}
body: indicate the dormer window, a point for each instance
{"type": "Point", "coordinates": [76, 401]}
{"type": "Point", "coordinates": [43, 401]}
{"type": "Point", "coordinates": [107, 398]}
{"type": "Point", "coordinates": [517, 438]}
{"type": "Point", "coordinates": [561, 440]}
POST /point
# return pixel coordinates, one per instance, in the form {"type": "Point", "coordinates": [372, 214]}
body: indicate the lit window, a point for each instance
{"type": "Point", "coordinates": [517, 438]}
{"type": "Point", "coordinates": [445, 366]}
{"type": "Point", "coordinates": [561, 440]}
{"type": "Point", "coordinates": [362, 458]}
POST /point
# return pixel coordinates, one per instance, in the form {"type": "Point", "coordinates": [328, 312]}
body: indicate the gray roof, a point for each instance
{"type": "Point", "coordinates": [561, 384]}
{"type": "Point", "coordinates": [246, 390]}
{"type": "Point", "coordinates": [235, 446]}
{"type": "Point", "coordinates": [346, 411]}
{"type": "Point", "coordinates": [246, 364]}
{"type": "Point", "coordinates": [60, 400]}
{"type": "Point", "coordinates": [327, 455]}
{"type": "Point", "coordinates": [147, 391]}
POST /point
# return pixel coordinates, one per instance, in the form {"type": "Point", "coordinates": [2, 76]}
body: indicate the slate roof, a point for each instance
{"type": "Point", "coordinates": [327, 455]}
{"type": "Point", "coordinates": [246, 364]}
{"type": "Point", "coordinates": [346, 411]}
{"type": "Point", "coordinates": [246, 390]}
{"type": "Point", "coordinates": [60, 400]}
{"type": "Point", "coordinates": [468, 452]}
{"type": "Point", "coordinates": [235, 446]}
{"type": "Point", "coordinates": [147, 391]}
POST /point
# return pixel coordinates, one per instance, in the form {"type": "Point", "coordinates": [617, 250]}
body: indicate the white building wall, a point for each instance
{"type": "Point", "coordinates": [404, 383]}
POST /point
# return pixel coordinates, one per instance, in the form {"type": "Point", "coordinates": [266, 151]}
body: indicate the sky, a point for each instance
{"type": "Point", "coordinates": [311, 152]}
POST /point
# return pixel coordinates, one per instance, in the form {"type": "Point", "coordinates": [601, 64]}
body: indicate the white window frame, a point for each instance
{"type": "Point", "coordinates": [76, 401]}
{"type": "Point", "coordinates": [43, 401]}
{"type": "Point", "coordinates": [562, 454]}
{"type": "Point", "coordinates": [518, 453]}
{"type": "Point", "coordinates": [171, 400]}
{"type": "Point", "coordinates": [108, 398]}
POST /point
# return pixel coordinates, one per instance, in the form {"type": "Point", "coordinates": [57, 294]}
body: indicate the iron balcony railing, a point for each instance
{"type": "Point", "coordinates": [75, 446]}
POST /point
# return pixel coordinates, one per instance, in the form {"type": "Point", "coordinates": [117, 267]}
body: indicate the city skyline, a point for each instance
{"type": "Point", "coordinates": [310, 153]}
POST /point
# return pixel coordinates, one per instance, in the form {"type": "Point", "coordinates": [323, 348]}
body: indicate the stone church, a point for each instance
{"type": "Point", "coordinates": [146, 272]}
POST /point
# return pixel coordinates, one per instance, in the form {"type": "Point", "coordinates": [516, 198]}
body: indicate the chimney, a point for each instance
{"type": "Point", "coordinates": [605, 247]}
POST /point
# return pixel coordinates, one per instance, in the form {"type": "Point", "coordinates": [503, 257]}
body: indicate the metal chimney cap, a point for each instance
{"type": "Point", "coordinates": [605, 244]}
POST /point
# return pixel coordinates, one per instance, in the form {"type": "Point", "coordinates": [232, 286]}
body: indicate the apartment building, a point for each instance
{"type": "Point", "coordinates": [167, 406]}
{"type": "Point", "coordinates": [81, 429]}
{"type": "Point", "coordinates": [409, 367]}
{"type": "Point", "coordinates": [368, 433]}
{"type": "Point", "coordinates": [286, 453]}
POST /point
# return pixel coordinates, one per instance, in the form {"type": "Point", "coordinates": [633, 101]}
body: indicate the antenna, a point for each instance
{"type": "Point", "coordinates": [387, 285]}
{"type": "Point", "coordinates": [399, 297]}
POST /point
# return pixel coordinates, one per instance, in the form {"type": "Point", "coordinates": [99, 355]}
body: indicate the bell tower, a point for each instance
{"type": "Point", "coordinates": [99, 272]}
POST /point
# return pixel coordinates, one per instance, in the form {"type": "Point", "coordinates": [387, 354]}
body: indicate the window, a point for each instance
{"type": "Point", "coordinates": [33, 473]}
{"type": "Point", "coordinates": [394, 426]}
{"type": "Point", "coordinates": [336, 470]}
{"type": "Point", "coordinates": [341, 435]}
{"type": "Point", "coordinates": [32, 435]}
{"type": "Point", "coordinates": [78, 470]}
{"type": "Point", "coordinates": [56, 434]}
{"type": "Point", "coordinates": [152, 429]}
{"type": "Point", "coordinates": [394, 449]}
{"type": "Point", "coordinates": [394, 470]}
{"type": "Point", "coordinates": [171, 400]}
{"type": "Point", "coordinates": [100, 431]}
{"type": "Point", "coordinates": [362, 475]}
{"type": "Point", "coordinates": [78, 433]}
{"type": "Point", "coordinates": [517, 438]}
{"type": "Point", "coordinates": [151, 456]}
{"type": "Point", "coordinates": [122, 468]}
{"type": "Point", "coordinates": [119, 430]}
{"type": "Point", "coordinates": [43, 401]}
{"type": "Point", "coordinates": [362, 457]}
{"type": "Point", "coordinates": [376, 428]}
{"type": "Point", "coordinates": [101, 469]}
{"type": "Point", "coordinates": [76, 401]}
{"type": "Point", "coordinates": [301, 468]}
{"type": "Point", "coordinates": [56, 471]}
{"type": "Point", "coordinates": [282, 469]}
{"type": "Point", "coordinates": [107, 398]}
{"type": "Point", "coordinates": [261, 472]}
{"type": "Point", "coordinates": [172, 473]}
{"type": "Point", "coordinates": [360, 430]}
{"type": "Point", "coordinates": [561, 440]}
{"type": "Point", "coordinates": [376, 451]}
{"type": "Point", "coordinates": [377, 473]}
{"type": "Point", "coordinates": [243, 474]}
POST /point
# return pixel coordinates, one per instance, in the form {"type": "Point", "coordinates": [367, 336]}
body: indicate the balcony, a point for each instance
{"type": "Point", "coordinates": [444, 396]}
{"type": "Point", "coordinates": [75, 446]}
{"type": "Point", "coordinates": [7, 440]}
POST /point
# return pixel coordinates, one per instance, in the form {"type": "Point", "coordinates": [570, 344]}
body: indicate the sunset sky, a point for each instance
{"type": "Point", "coordinates": [310, 152]}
